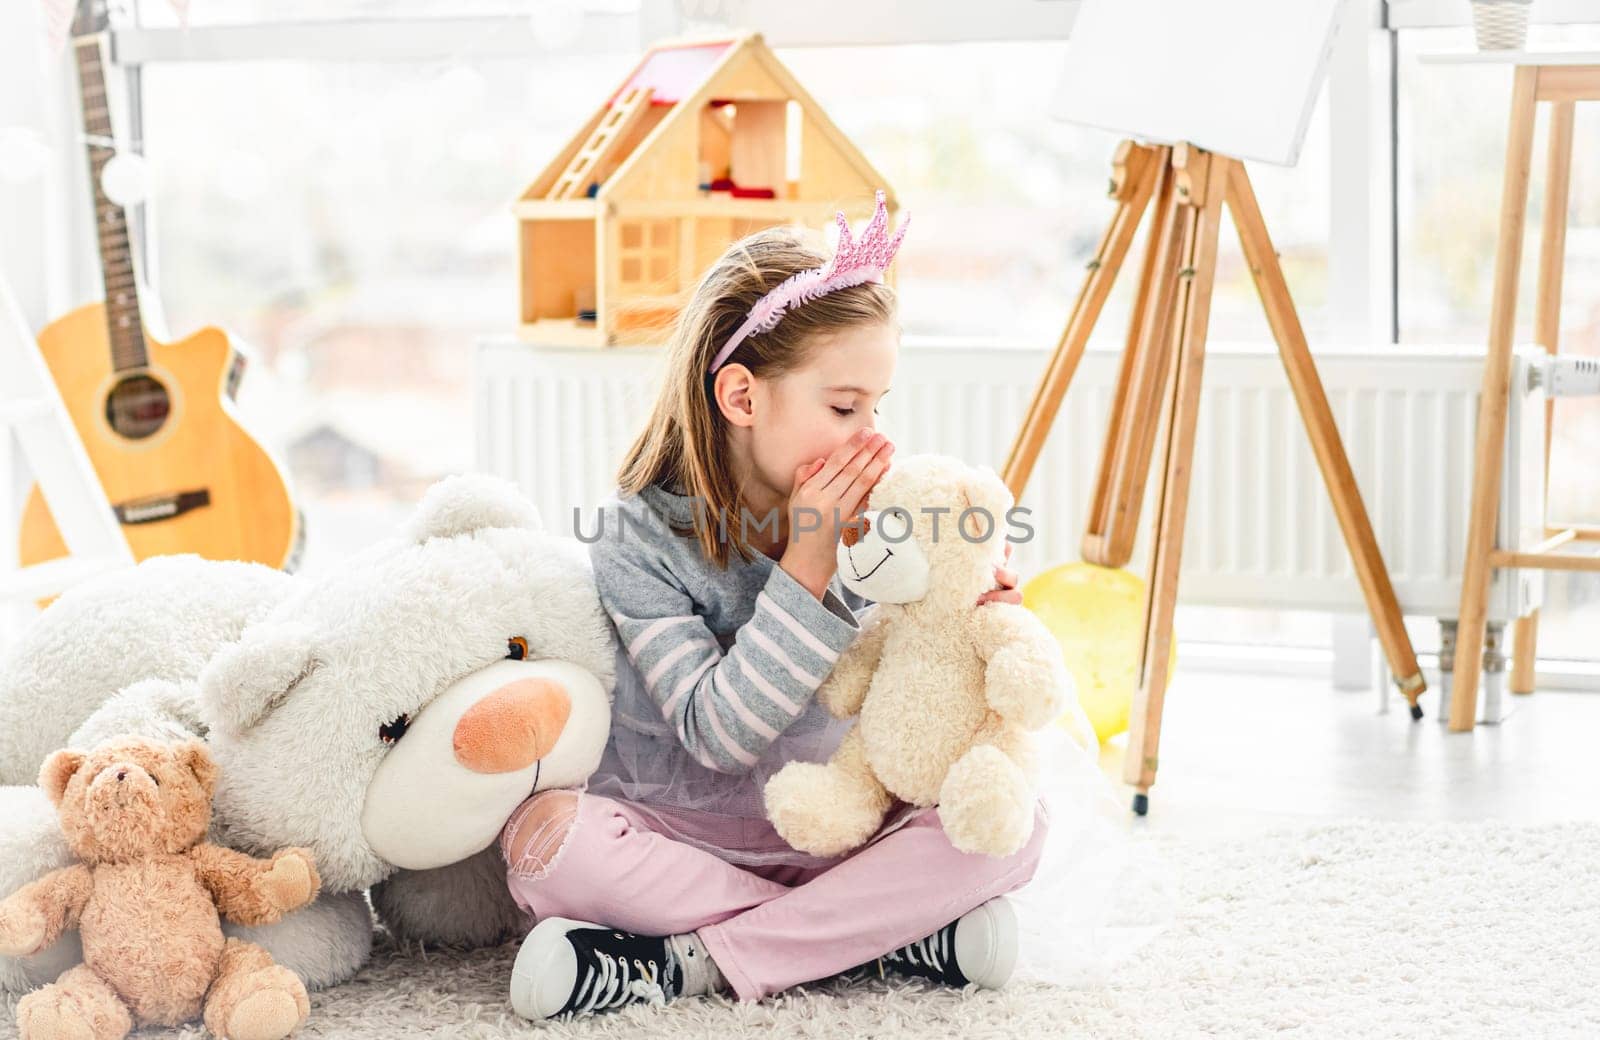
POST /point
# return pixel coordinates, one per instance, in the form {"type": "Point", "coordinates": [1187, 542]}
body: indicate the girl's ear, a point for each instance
{"type": "Point", "coordinates": [733, 389]}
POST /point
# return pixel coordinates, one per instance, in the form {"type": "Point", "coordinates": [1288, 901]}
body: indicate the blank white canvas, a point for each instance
{"type": "Point", "coordinates": [1239, 77]}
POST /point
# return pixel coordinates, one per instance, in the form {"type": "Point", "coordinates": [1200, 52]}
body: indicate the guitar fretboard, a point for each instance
{"type": "Point", "coordinates": [111, 223]}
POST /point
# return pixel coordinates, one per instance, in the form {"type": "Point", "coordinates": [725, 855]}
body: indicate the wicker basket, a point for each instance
{"type": "Point", "coordinates": [1501, 25]}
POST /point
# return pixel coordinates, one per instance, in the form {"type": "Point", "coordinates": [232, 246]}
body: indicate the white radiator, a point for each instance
{"type": "Point", "coordinates": [1260, 530]}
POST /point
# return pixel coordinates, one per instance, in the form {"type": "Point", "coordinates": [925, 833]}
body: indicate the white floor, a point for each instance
{"type": "Point", "coordinates": [1242, 752]}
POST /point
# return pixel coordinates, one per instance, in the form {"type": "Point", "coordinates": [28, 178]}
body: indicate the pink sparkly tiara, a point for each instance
{"type": "Point", "coordinates": [853, 262]}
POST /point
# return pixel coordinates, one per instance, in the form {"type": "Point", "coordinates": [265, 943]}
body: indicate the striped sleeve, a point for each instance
{"type": "Point", "coordinates": [725, 708]}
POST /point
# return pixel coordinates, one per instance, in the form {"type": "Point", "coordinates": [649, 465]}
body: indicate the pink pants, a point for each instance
{"type": "Point", "coordinates": [768, 928]}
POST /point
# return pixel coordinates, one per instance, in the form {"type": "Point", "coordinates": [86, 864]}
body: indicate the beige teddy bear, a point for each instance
{"type": "Point", "coordinates": [947, 690]}
{"type": "Point", "coordinates": [145, 899]}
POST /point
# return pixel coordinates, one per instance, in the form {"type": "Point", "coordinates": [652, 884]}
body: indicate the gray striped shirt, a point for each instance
{"type": "Point", "coordinates": [729, 659]}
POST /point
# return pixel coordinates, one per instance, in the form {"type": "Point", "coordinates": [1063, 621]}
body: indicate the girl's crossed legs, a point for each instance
{"type": "Point", "coordinates": [590, 858]}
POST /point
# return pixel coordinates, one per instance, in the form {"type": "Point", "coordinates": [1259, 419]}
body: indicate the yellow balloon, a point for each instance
{"type": "Point", "coordinates": [1097, 615]}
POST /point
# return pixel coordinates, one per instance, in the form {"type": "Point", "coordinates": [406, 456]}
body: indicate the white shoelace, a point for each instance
{"type": "Point", "coordinates": [615, 981]}
{"type": "Point", "coordinates": [932, 951]}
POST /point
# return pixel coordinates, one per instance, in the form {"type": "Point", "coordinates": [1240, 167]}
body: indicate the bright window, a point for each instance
{"type": "Point", "coordinates": [351, 220]}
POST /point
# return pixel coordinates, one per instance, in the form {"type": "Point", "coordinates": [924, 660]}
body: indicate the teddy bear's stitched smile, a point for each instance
{"type": "Point", "coordinates": [851, 556]}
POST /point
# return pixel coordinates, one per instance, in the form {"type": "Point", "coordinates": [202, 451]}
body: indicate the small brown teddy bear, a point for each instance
{"type": "Point", "coordinates": [145, 899]}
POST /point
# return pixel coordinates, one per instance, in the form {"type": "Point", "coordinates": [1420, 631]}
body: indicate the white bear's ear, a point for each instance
{"type": "Point", "coordinates": [981, 490]}
{"type": "Point", "coordinates": [470, 502]}
{"type": "Point", "coordinates": [244, 682]}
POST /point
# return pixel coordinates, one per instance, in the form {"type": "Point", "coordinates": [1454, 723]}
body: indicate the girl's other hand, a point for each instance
{"type": "Point", "coordinates": [829, 493]}
{"type": "Point", "coordinates": [1005, 580]}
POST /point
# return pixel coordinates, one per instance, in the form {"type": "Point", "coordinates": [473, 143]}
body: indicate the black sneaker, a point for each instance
{"type": "Point", "coordinates": [979, 948]}
{"type": "Point", "coordinates": [569, 967]}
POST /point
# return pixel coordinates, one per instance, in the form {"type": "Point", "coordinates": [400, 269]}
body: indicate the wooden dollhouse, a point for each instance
{"type": "Point", "coordinates": [704, 142]}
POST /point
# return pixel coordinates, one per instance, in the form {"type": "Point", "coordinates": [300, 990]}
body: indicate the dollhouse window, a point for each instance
{"type": "Point", "coordinates": [647, 252]}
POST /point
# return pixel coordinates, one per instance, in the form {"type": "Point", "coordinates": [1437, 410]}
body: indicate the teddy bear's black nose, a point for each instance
{"type": "Point", "coordinates": [122, 774]}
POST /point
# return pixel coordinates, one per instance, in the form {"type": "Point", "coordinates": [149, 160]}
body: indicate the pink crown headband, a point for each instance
{"type": "Point", "coordinates": [853, 262]}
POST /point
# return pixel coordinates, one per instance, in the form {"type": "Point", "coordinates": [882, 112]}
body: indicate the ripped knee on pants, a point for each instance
{"type": "Point", "coordinates": [537, 832]}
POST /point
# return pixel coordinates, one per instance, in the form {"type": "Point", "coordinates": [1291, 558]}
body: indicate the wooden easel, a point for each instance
{"type": "Point", "coordinates": [1562, 82]}
{"type": "Point", "coordinates": [1161, 368]}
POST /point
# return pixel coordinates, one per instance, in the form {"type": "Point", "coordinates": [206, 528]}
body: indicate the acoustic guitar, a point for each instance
{"type": "Point", "coordinates": [157, 419]}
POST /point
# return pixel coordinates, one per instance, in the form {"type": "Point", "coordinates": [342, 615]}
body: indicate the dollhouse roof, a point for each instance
{"type": "Point", "coordinates": [673, 72]}
{"type": "Point", "coordinates": [687, 75]}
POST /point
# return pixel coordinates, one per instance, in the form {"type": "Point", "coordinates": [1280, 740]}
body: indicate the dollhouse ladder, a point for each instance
{"type": "Point", "coordinates": [32, 409]}
{"type": "Point", "coordinates": [621, 117]}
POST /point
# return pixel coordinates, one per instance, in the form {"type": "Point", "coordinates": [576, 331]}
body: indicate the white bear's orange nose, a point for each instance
{"type": "Point", "coordinates": [513, 727]}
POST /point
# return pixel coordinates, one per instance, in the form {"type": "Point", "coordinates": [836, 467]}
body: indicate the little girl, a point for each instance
{"type": "Point", "coordinates": [663, 878]}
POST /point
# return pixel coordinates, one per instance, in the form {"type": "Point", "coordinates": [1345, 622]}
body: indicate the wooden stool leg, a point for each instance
{"type": "Point", "coordinates": [1525, 652]}
{"type": "Point", "coordinates": [1547, 332]}
{"type": "Point", "coordinates": [1326, 444]}
{"type": "Point", "coordinates": [1200, 180]}
{"type": "Point", "coordinates": [1133, 181]}
{"type": "Point", "coordinates": [1141, 385]}
{"type": "Point", "coordinates": [1493, 403]}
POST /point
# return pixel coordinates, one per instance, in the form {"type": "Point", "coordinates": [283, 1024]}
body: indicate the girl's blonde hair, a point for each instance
{"type": "Point", "coordinates": [685, 441]}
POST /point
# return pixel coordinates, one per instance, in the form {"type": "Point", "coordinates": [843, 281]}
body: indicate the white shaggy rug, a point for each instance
{"type": "Point", "coordinates": [1361, 930]}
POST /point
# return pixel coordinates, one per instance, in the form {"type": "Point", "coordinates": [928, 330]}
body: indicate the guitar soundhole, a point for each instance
{"type": "Point", "coordinates": [138, 406]}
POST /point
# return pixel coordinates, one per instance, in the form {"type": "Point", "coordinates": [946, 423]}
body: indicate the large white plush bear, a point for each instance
{"type": "Point", "coordinates": [161, 620]}
{"type": "Point", "coordinates": [388, 715]}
